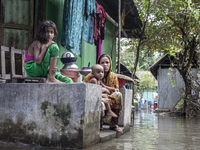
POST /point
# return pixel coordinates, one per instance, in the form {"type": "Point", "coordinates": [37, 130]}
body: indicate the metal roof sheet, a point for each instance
{"type": "Point", "coordinates": [133, 24]}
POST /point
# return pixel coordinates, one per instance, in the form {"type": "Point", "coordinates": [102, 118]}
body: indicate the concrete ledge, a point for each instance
{"type": "Point", "coordinates": [125, 117]}
{"type": "Point", "coordinates": [57, 115]}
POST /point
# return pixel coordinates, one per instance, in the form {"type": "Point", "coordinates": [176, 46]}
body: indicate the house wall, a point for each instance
{"type": "Point", "coordinates": [168, 95]}
{"type": "Point", "coordinates": [54, 12]}
{"type": "Point", "coordinates": [17, 21]}
{"type": "Point", "coordinates": [148, 95]}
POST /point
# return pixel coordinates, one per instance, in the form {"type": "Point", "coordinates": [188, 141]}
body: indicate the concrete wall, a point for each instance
{"type": "Point", "coordinates": [61, 115]}
{"type": "Point", "coordinates": [148, 95]}
{"type": "Point", "coordinates": [125, 117]}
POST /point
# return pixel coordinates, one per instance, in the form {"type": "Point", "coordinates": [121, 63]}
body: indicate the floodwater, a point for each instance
{"type": "Point", "coordinates": [150, 131]}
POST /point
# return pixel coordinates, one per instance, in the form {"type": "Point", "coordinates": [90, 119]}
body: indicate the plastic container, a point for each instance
{"type": "Point", "coordinates": [121, 83]}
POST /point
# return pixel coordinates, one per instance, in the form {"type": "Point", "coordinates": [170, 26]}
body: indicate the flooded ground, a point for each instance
{"type": "Point", "coordinates": [150, 131]}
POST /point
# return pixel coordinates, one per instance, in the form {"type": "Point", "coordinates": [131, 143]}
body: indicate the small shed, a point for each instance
{"type": "Point", "coordinates": [170, 83]}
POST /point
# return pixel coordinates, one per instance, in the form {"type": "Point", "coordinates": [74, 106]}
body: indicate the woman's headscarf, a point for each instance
{"type": "Point", "coordinates": [111, 78]}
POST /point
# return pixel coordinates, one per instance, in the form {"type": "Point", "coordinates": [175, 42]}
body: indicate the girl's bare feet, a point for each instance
{"type": "Point", "coordinates": [53, 80]}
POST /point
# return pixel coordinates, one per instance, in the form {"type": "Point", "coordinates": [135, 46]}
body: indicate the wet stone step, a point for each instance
{"type": "Point", "coordinates": [107, 135]}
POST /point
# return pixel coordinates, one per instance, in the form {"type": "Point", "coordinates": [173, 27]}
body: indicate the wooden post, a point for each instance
{"type": "Point", "coordinates": [119, 34]}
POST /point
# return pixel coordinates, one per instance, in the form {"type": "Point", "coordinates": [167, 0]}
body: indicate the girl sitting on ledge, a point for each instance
{"type": "Point", "coordinates": [42, 54]}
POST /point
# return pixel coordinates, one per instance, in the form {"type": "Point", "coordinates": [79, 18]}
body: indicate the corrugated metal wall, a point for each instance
{"type": "Point", "coordinates": [18, 22]}
{"type": "Point", "coordinates": [16, 38]}
{"type": "Point", "coordinates": [168, 96]}
{"type": "Point", "coordinates": [17, 11]}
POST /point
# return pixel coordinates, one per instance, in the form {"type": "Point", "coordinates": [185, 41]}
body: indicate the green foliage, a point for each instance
{"type": "Point", "coordinates": [135, 104]}
{"type": "Point", "coordinates": [173, 83]}
{"type": "Point", "coordinates": [147, 81]}
{"type": "Point", "coordinates": [128, 56]}
{"type": "Point", "coordinates": [180, 104]}
{"type": "Point", "coordinates": [167, 21]}
{"type": "Point", "coordinates": [169, 26]}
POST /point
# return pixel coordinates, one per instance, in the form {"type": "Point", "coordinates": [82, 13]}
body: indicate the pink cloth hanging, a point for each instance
{"type": "Point", "coordinates": [99, 46]}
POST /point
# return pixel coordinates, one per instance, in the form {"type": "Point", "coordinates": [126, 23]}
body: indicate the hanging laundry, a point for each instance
{"type": "Point", "coordinates": [72, 25]}
{"type": "Point", "coordinates": [77, 24]}
{"type": "Point", "coordinates": [99, 46]}
{"type": "Point", "coordinates": [103, 28]}
{"type": "Point", "coordinates": [98, 23]}
{"type": "Point", "coordinates": [90, 12]}
{"type": "Point", "coordinates": [99, 28]}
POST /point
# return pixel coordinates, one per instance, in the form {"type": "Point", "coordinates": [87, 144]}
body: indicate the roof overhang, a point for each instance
{"type": "Point", "coordinates": [125, 71]}
{"type": "Point", "coordinates": [165, 62]}
{"type": "Point", "coordinates": [132, 25]}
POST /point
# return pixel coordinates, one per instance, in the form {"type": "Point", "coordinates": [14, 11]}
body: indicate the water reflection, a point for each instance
{"type": "Point", "coordinates": [178, 133]}
{"type": "Point", "coordinates": [141, 137]}
{"type": "Point", "coordinates": [150, 131]}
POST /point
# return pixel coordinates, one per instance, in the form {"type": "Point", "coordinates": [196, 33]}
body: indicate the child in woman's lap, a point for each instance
{"type": "Point", "coordinates": [98, 73]}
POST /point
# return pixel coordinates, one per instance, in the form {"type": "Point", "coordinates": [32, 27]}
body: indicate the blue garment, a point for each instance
{"type": "Point", "coordinates": [72, 25]}
{"type": "Point", "coordinates": [77, 19]}
{"type": "Point", "coordinates": [88, 21]}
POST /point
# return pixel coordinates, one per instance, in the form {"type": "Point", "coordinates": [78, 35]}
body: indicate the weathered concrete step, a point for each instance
{"type": "Point", "coordinates": [58, 119]}
{"type": "Point", "coordinates": [107, 135]}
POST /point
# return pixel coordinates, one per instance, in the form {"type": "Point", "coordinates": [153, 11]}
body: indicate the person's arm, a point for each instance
{"type": "Point", "coordinates": [112, 89]}
{"type": "Point", "coordinates": [40, 51]}
{"type": "Point", "coordinates": [93, 81]}
{"type": "Point", "coordinates": [104, 88]}
{"type": "Point", "coordinates": [106, 91]}
{"type": "Point", "coordinates": [109, 88]}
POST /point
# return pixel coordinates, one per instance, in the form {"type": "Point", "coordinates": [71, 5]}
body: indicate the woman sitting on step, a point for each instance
{"type": "Point", "coordinates": [110, 79]}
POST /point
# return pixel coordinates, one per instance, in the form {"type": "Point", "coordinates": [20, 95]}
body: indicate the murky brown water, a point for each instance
{"type": "Point", "coordinates": [150, 132]}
